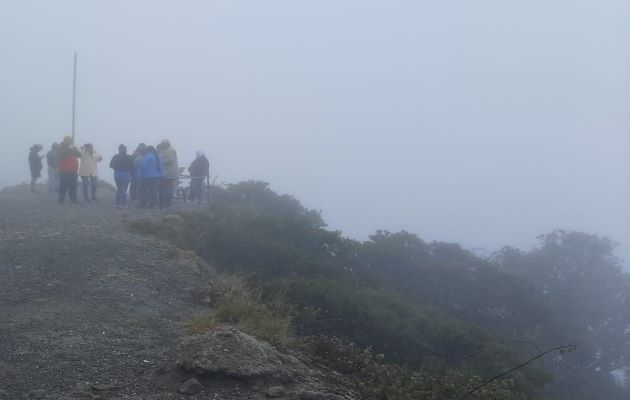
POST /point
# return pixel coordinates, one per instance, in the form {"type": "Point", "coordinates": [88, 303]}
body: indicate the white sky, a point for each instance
{"type": "Point", "coordinates": [480, 122]}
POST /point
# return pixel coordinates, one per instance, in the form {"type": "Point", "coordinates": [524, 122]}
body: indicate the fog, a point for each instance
{"type": "Point", "coordinates": [480, 122]}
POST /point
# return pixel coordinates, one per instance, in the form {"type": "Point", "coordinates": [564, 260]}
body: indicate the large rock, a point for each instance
{"type": "Point", "coordinates": [230, 352]}
{"type": "Point", "coordinates": [190, 387]}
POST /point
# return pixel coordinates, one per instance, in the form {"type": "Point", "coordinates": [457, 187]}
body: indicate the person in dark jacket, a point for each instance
{"type": "Point", "coordinates": [150, 174]}
{"type": "Point", "coordinates": [53, 168]}
{"type": "Point", "coordinates": [199, 170]}
{"type": "Point", "coordinates": [68, 156]}
{"type": "Point", "coordinates": [35, 163]}
{"type": "Point", "coordinates": [123, 166]}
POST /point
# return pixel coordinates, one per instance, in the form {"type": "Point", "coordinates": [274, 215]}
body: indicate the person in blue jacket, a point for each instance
{"type": "Point", "coordinates": [123, 166]}
{"type": "Point", "coordinates": [150, 174]}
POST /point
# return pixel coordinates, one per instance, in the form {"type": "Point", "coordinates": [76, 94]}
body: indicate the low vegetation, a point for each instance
{"type": "Point", "coordinates": [375, 379]}
{"type": "Point", "coordinates": [441, 318]}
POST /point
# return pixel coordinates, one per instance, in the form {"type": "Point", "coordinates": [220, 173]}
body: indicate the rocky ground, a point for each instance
{"type": "Point", "coordinates": [90, 310]}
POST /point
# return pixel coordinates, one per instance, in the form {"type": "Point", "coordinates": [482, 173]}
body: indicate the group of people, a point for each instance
{"type": "Point", "coordinates": [150, 173]}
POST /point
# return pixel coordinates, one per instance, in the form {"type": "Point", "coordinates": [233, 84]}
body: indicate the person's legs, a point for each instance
{"type": "Point", "coordinates": [122, 180]}
{"type": "Point", "coordinates": [195, 188]}
{"type": "Point", "coordinates": [143, 191]}
{"type": "Point", "coordinates": [166, 192]}
{"type": "Point", "coordinates": [73, 186]}
{"type": "Point", "coordinates": [85, 182]}
{"type": "Point", "coordinates": [63, 186]}
{"type": "Point", "coordinates": [50, 184]}
{"type": "Point", "coordinates": [161, 192]}
{"type": "Point", "coordinates": [123, 195]}
{"type": "Point", "coordinates": [118, 189]}
{"type": "Point", "coordinates": [202, 190]}
{"type": "Point", "coordinates": [133, 189]}
{"type": "Point", "coordinates": [56, 179]}
{"type": "Point", "coordinates": [172, 183]}
{"type": "Point", "coordinates": [33, 180]}
{"type": "Point", "coordinates": [93, 182]}
{"type": "Point", "coordinates": [153, 191]}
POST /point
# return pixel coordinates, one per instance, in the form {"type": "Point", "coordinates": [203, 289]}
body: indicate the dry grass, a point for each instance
{"type": "Point", "coordinates": [240, 306]}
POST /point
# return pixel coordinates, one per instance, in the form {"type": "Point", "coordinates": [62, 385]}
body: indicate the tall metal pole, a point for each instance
{"type": "Point", "coordinates": [74, 95]}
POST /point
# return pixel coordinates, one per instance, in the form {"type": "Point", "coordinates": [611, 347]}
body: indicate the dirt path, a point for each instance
{"type": "Point", "coordinates": [87, 308]}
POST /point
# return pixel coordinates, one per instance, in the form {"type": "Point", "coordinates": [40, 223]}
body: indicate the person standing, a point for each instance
{"type": "Point", "coordinates": [88, 171]}
{"type": "Point", "coordinates": [123, 166]}
{"type": "Point", "coordinates": [53, 171]}
{"type": "Point", "coordinates": [168, 156]}
{"type": "Point", "coordinates": [199, 170]}
{"type": "Point", "coordinates": [138, 156]}
{"type": "Point", "coordinates": [150, 173]}
{"type": "Point", "coordinates": [35, 164]}
{"type": "Point", "coordinates": [68, 156]}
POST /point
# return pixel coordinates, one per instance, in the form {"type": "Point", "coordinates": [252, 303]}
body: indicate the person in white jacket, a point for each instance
{"type": "Point", "coordinates": [168, 156]}
{"type": "Point", "coordinates": [88, 171]}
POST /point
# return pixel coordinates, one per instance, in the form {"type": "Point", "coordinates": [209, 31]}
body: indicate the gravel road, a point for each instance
{"type": "Point", "coordinates": [88, 309]}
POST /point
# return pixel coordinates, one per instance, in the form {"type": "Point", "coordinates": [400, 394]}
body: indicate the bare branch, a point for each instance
{"type": "Point", "coordinates": [561, 349]}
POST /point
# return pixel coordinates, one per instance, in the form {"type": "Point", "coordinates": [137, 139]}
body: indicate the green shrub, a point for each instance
{"type": "Point", "coordinates": [431, 306]}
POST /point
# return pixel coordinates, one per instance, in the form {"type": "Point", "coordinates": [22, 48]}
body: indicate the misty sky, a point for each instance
{"type": "Point", "coordinates": [474, 121]}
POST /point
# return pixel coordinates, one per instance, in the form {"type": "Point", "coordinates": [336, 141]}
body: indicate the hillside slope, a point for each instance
{"type": "Point", "coordinates": [433, 307]}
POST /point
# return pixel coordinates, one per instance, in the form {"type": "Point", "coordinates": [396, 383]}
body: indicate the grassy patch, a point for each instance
{"type": "Point", "coordinates": [201, 324]}
{"type": "Point", "coordinates": [240, 306]}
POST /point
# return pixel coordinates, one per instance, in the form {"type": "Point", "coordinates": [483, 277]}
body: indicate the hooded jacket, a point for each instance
{"type": "Point", "coordinates": [122, 162]}
{"type": "Point", "coordinates": [169, 161]}
{"type": "Point", "coordinates": [35, 162]}
{"type": "Point", "coordinates": [68, 158]}
{"type": "Point", "coordinates": [89, 163]}
{"type": "Point", "coordinates": [199, 167]}
{"type": "Point", "coordinates": [151, 166]}
{"type": "Point", "coordinates": [51, 158]}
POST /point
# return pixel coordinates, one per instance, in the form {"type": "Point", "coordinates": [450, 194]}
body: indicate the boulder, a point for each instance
{"type": "Point", "coordinates": [230, 352]}
{"type": "Point", "coordinates": [190, 387]}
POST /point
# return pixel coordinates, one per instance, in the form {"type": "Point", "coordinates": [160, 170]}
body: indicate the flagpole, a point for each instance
{"type": "Point", "coordinates": [74, 95]}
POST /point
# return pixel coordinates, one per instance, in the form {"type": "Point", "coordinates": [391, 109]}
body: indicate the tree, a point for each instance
{"type": "Point", "coordinates": [580, 279]}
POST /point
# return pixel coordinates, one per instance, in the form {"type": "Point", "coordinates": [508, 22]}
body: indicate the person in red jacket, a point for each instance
{"type": "Point", "coordinates": [68, 157]}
